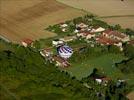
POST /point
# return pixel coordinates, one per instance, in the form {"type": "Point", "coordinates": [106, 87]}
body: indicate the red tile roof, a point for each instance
{"type": "Point", "coordinates": [27, 41]}
{"type": "Point", "coordinates": [106, 41]}
{"type": "Point", "coordinates": [115, 33]}
{"type": "Point", "coordinates": [107, 31]}
{"type": "Point", "coordinates": [85, 33]}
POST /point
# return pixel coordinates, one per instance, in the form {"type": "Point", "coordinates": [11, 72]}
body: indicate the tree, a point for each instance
{"type": "Point", "coordinates": [129, 32]}
{"type": "Point", "coordinates": [128, 50]}
{"type": "Point", "coordinates": [117, 27]}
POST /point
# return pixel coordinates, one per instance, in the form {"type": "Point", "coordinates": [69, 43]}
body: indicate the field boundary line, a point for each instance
{"type": "Point", "coordinates": [116, 16]}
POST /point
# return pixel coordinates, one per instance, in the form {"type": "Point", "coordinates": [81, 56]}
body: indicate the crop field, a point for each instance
{"type": "Point", "coordinates": [21, 19]}
{"type": "Point", "coordinates": [123, 21]}
{"type": "Point", "coordinates": [124, 10]}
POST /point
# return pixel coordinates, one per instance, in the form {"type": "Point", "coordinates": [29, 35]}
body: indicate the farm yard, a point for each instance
{"type": "Point", "coordinates": [21, 19]}
{"type": "Point", "coordinates": [103, 8]}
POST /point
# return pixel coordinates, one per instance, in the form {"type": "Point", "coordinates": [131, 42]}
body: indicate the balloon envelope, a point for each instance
{"type": "Point", "coordinates": [65, 51]}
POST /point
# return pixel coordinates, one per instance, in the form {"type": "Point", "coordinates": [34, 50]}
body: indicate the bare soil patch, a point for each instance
{"type": "Point", "coordinates": [131, 96]}
{"type": "Point", "coordinates": [125, 22]}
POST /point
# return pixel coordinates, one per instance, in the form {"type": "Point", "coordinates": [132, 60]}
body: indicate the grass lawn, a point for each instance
{"type": "Point", "coordinates": [104, 63]}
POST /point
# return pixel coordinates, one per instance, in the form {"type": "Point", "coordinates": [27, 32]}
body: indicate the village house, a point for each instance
{"type": "Point", "coordinates": [46, 52]}
{"type": "Point", "coordinates": [81, 26]}
{"type": "Point", "coordinates": [82, 34]}
{"type": "Point", "coordinates": [57, 42]}
{"type": "Point", "coordinates": [27, 42]}
{"type": "Point", "coordinates": [104, 80]}
{"type": "Point", "coordinates": [86, 34]}
{"type": "Point", "coordinates": [107, 41]}
{"type": "Point", "coordinates": [76, 31]}
{"type": "Point", "coordinates": [90, 35]}
{"type": "Point", "coordinates": [63, 27]}
{"type": "Point", "coordinates": [68, 38]}
{"type": "Point", "coordinates": [60, 61]}
{"type": "Point", "coordinates": [116, 35]}
{"type": "Point", "coordinates": [97, 29]}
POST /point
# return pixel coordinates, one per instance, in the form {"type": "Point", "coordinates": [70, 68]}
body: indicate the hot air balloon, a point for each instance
{"type": "Point", "coordinates": [65, 51]}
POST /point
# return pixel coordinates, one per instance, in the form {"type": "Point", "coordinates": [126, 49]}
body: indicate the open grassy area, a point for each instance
{"type": "Point", "coordinates": [104, 63]}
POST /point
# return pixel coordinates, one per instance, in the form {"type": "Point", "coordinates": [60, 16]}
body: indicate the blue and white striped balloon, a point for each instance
{"type": "Point", "coordinates": [65, 51]}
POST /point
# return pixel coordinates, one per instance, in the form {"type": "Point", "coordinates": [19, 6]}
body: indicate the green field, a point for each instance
{"type": "Point", "coordinates": [104, 63]}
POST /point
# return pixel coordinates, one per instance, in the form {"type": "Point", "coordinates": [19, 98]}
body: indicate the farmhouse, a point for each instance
{"type": "Point", "coordinates": [60, 61]}
{"type": "Point", "coordinates": [82, 34]}
{"type": "Point", "coordinates": [81, 26]}
{"type": "Point", "coordinates": [104, 80]}
{"type": "Point", "coordinates": [27, 42]}
{"type": "Point", "coordinates": [57, 42]}
{"type": "Point", "coordinates": [46, 52]}
{"type": "Point", "coordinates": [63, 25]}
{"type": "Point", "coordinates": [97, 29]}
{"type": "Point", "coordinates": [116, 35]}
{"type": "Point", "coordinates": [90, 35]}
{"type": "Point", "coordinates": [107, 41]}
{"type": "Point", "coordinates": [85, 34]}
{"type": "Point", "coordinates": [68, 38]}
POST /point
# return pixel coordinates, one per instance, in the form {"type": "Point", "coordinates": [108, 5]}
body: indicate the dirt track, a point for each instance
{"type": "Point", "coordinates": [21, 19]}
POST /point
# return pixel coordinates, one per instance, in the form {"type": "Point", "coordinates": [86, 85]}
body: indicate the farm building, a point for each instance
{"type": "Point", "coordinates": [27, 42]}
{"type": "Point", "coordinates": [107, 41]}
{"type": "Point", "coordinates": [97, 29]}
{"type": "Point", "coordinates": [86, 34]}
{"type": "Point", "coordinates": [116, 35]}
{"type": "Point", "coordinates": [46, 52]}
{"type": "Point", "coordinates": [57, 42]}
{"type": "Point", "coordinates": [81, 26]}
{"type": "Point", "coordinates": [68, 38]}
{"type": "Point", "coordinates": [63, 25]}
{"type": "Point", "coordinates": [104, 80]}
{"type": "Point", "coordinates": [60, 61]}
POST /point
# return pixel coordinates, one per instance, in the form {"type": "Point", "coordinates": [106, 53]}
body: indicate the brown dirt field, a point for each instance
{"type": "Point", "coordinates": [107, 8]}
{"type": "Point", "coordinates": [131, 96]}
{"type": "Point", "coordinates": [21, 19]}
{"type": "Point", "coordinates": [123, 21]}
